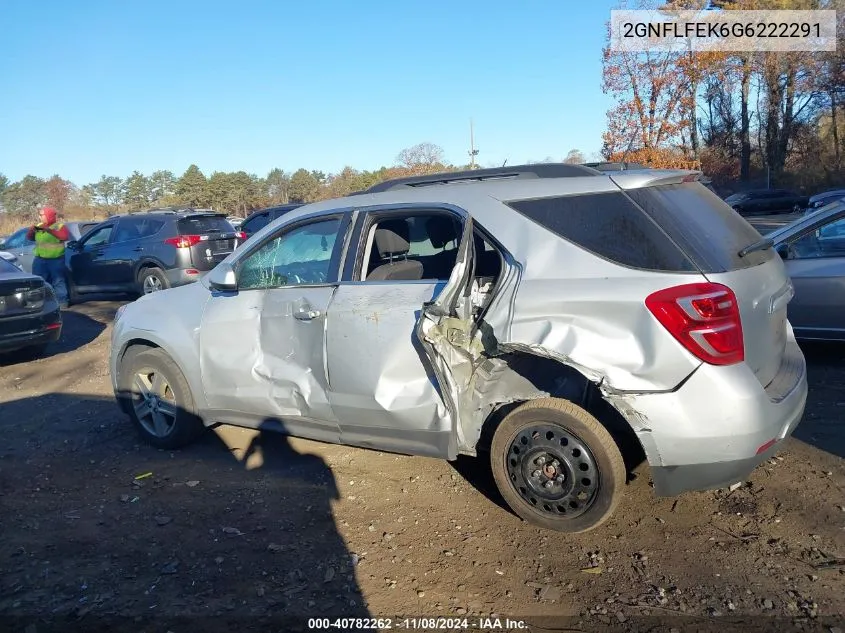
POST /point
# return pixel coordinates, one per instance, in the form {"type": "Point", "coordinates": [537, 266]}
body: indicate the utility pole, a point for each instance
{"type": "Point", "coordinates": [472, 151]}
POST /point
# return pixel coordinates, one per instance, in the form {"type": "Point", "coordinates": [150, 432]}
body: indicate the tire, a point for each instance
{"type": "Point", "coordinates": [556, 453]}
{"type": "Point", "coordinates": [168, 421]}
{"type": "Point", "coordinates": [72, 295]}
{"type": "Point", "coordinates": [151, 280]}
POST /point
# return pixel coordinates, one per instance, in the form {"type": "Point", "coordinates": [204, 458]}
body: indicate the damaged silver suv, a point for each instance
{"type": "Point", "coordinates": [548, 317]}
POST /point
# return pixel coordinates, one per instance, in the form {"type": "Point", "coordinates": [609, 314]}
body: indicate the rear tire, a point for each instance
{"type": "Point", "coordinates": [556, 466]}
{"type": "Point", "coordinates": [151, 280]}
{"type": "Point", "coordinates": [158, 399]}
{"type": "Point", "coordinates": [72, 294]}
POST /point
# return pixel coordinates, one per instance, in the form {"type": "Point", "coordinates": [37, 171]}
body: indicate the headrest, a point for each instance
{"type": "Point", "coordinates": [392, 238]}
{"type": "Point", "coordinates": [441, 230]}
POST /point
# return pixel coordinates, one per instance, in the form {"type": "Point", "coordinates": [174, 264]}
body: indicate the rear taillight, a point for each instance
{"type": "Point", "coordinates": [240, 235]}
{"type": "Point", "coordinates": [183, 241]}
{"type": "Point", "coordinates": [704, 318]}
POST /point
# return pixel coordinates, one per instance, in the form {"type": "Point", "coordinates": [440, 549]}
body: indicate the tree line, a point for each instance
{"type": "Point", "coordinates": [234, 193]}
{"type": "Point", "coordinates": [746, 119]}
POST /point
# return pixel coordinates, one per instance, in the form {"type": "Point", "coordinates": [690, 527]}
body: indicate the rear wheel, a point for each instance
{"type": "Point", "coordinates": [72, 294]}
{"type": "Point", "coordinates": [556, 466]}
{"type": "Point", "coordinates": [158, 399]}
{"type": "Point", "coordinates": [152, 279]}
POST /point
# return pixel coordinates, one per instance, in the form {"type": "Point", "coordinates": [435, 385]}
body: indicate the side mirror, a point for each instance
{"type": "Point", "coordinates": [2, 242]}
{"type": "Point", "coordinates": [73, 245]}
{"type": "Point", "coordinates": [782, 250]}
{"type": "Point", "coordinates": [221, 278]}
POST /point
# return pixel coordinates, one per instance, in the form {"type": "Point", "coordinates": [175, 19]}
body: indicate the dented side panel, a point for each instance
{"type": "Point", "coordinates": [259, 362]}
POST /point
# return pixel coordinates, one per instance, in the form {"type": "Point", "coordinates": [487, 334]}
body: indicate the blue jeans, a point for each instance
{"type": "Point", "coordinates": [53, 271]}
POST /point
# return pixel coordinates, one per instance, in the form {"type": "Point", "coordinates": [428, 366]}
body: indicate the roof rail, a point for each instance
{"type": "Point", "coordinates": [540, 170]}
{"type": "Point", "coordinates": [614, 166]}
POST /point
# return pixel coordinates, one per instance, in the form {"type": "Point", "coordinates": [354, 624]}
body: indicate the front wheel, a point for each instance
{"type": "Point", "coordinates": [158, 399]}
{"type": "Point", "coordinates": [556, 466]}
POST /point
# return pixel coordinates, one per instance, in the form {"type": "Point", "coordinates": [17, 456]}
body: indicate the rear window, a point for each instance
{"type": "Point", "coordinates": [707, 229]}
{"type": "Point", "coordinates": [202, 224]}
{"type": "Point", "coordinates": [608, 225]}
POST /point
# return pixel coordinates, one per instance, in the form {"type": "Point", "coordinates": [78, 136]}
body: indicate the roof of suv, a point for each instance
{"type": "Point", "coordinates": [174, 211]}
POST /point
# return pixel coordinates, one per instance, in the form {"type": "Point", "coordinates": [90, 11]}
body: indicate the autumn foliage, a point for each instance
{"type": "Point", "coordinates": [745, 119]}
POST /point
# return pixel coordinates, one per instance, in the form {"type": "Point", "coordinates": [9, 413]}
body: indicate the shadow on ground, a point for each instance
{"type": "Point", "coordinates": [235, 532]}
{"type": "Point", "coordinates": [822, 426]}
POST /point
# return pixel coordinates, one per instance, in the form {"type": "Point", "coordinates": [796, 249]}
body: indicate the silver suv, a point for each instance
{"type": "Point", "coordinates": [542, 316]}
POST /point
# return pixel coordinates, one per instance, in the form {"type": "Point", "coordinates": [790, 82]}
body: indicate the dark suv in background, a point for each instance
{"type": "Point", "coordinates": [149, 251]}
{"type": "Point", "coordinates": [259, 219]}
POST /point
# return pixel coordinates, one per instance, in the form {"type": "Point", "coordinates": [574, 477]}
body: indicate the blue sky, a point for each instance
{"type": "Point", "coordinates": [105, 87]}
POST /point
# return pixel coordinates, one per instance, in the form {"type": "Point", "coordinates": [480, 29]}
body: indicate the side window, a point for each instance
{"type": "Point", "coordinates": [826, 241]}
{"type": "Point", "coordinates": [98, 237]}
{"type": "Point", "coordinates": [149, 226]}
{"type": "Point", "coordinates": [300, 256]}
{"type": "Point", "coordinates": [610, 226]}
{"type": "Point", "coordinates": [255, 223]}
{"type": "Point", "coordinates": [411, 247]}
{"type": "Point", "coordinates": [127, 229]}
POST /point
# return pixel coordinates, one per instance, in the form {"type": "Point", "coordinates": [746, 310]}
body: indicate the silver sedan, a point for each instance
{"type": "Point", "coordinates": [813, 250]}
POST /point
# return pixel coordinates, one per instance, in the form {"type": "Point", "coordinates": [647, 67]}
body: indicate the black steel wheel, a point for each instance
{"type": "Point", "coordinates": [557, 466]}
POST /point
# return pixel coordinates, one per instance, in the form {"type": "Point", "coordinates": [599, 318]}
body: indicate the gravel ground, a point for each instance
{"type": "Point", "coordinates": [244, 530]}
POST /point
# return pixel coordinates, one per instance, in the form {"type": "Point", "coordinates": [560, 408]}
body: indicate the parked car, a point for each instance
{"type": "Point", "coordinates": [24, 250]}
{"type": "Point", "coordinates": [9, 257]}
{"type": "Point", "coordinates": [540, 315]}
{"type": "Point", "coordinates": [813, 249]}
{"type": "Point", "coordinates": [826, 197]}
{"type": "Point", "coordinates": [148, 251]}
{"type": "Point", "coordinates": [235, 221]}
{"type": "Point", "coordinates": [30, 317]}
{"type": "Point", "coordinates": [259, 219]}
{"type": "Point", "coordinates": [766, 201]}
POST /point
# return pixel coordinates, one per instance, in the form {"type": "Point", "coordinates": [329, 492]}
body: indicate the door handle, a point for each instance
{"type": "Point", "coordinates": [306, 315]}
{"type": "Point", "coordinates": [138, 249]}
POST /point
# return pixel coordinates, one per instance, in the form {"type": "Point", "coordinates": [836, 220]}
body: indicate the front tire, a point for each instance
{"type": "Point", "coordinates": [158, 399]}
{"type": "Point", "coordinates": [556, 466]}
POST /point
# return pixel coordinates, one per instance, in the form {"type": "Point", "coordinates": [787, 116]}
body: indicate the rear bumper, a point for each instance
{"type": "Point", "coordinates": [28, 331]}
{"type": "Point", "coordinates": [182, 276]}
{"type": "Point", "coordinates": [720, 424]}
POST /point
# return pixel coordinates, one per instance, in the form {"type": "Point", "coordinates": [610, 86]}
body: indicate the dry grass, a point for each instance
{"type": "Point", "coordinates": [9, 223]}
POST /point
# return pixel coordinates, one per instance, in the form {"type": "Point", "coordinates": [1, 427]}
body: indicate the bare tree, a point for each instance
{"type": "Point", "coordinates": [575, 157]}
{"type": "Point", "coordinates": [422, 158]}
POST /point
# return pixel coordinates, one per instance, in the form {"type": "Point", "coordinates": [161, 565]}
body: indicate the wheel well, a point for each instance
{"type": "Point", "coordinates": [137, 342]}
{"type": "Point", "coordinates": [563, 381]}
{"type": "Point", "coordinates": [144, 266]}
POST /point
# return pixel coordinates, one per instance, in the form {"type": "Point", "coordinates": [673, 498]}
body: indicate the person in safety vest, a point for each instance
{"type": "Point", "coordinates": [50, 236]}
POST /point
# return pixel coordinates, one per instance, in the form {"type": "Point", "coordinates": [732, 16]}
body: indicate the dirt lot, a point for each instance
{"type": "Point", "coordinates": [241, 532]}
